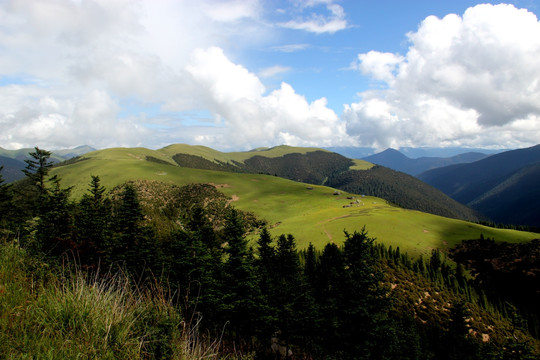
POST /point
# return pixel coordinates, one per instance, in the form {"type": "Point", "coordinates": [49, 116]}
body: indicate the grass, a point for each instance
{"type": "Point", "coordinates": [76, 315]}
{"type": "Point", "coordinates": [315, 216]}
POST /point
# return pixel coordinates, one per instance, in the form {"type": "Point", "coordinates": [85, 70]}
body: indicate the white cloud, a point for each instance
{"type": "Point", "coordinates": [465, 80]}
{"type": "Point", "coordinates": [237, 99]}
{"type": "Point", "coordinates": [95, 56]}
{"type": "Point", "coordinates": [232, 10]}
{"type": "Point", "coordinates": [290, 48]}
{"type": "Point", "coordinates": [273, 71]}
{"type": "Point", "coordinates": [332, 22]}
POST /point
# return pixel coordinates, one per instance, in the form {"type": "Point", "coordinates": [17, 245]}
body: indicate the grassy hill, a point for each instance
{"type": "Point", "coordinates": [311, 212]}
{"type": "Point", "coordinates": [320, 167]}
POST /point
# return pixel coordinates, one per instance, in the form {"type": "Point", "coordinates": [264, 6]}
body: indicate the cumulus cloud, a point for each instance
{"type": "Point", "coordinates": [76, 64]}
{"type": "Point", "coordinates": [238, 101]}
{"type": "Point", "coordinates": [465, 80]}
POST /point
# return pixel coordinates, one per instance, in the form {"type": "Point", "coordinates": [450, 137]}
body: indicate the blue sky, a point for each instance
{"type": "Point", "coordinates": [240, 74]}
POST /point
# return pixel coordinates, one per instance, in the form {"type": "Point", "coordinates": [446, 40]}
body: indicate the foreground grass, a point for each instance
{"type": "Point", "coordinates": [73, 315]}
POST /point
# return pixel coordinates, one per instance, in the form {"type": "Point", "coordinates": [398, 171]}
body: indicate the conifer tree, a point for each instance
{"type": "Point", "coordinates": [265, 265]}
{"type": "Point", "coordinates": [93, 222]}
{"type": "Point", "coordinates": [365, 302]}
{"type": "Point", "coordinates": [241, 297]}
{"type": "Point", "coordinates": [205, 261]}
{"type": "Point", "coordinates": [329, 295]}
{"type": "Point", "coordinates": [55, 225]}
{"type": "Point", "coordinates": [459, 344]}
{"type": "Point", "coordinates": [132, 243]}
{"type": "Point", "coordinates": [37, 168]}
{"type": "Point", "coordinates": [295, 305]}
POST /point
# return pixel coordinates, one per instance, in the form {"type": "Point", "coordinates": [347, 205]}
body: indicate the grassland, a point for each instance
{"type": "Point", "coordinates": [311, 213]}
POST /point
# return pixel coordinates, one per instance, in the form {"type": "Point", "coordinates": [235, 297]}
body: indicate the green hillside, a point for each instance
{"type": "Point", "coordinates": [312, 213]}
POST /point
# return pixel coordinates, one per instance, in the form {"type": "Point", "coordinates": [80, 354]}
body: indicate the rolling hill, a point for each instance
{"type": "Point", "coordinates": [313, 213]}
{"type": "Point", "coordinates": [319, 167]}
{"type": "Point", "coordinates": [396, 160]}
{"type": "Point", "coordinates": [502, 186]}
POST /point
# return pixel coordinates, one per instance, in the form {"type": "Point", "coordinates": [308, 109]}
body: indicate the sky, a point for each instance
{"type": "Point", "coordinates": [240, 74]}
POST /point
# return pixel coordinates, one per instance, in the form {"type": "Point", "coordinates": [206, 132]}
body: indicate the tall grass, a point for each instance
{"type": "Point", "coordinates": [74, 314]}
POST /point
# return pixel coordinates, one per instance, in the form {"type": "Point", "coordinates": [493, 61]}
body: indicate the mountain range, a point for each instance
{"type": "Point", "coordinates": [396, 160]}
{"type": "Point", "coordinates": [13, 160]}
{"type": "Point", "coordinates": [503, 186]}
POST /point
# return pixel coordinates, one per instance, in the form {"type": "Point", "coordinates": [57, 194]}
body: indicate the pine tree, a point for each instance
{"type": "Point", "coordinates": [265, 265]}
{"type": "Point", "coordinates": [296, 310]}
{"type": "Point", "coordinates": [365, 302]}
{"type": "Point", "coordinates": [93, 223]}
{"type": "Point", "coordinates": [38, 168]}
{"type": "Point", "coordinates": [132, 244]}
{"type": "Point", "coordinates": [459, 344]}
{"type": "Point", "coordinates": [55, 225]}
{"type": "Point", "coordinates": [329, 295]}
{"type": "Point", "coordinates": [241, 297]}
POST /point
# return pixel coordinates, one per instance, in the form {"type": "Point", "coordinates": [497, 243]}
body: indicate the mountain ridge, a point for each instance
{"type": "Point", "coordinates": [396, 160]}
{"type": "Point", "coordinates": [501, 186]}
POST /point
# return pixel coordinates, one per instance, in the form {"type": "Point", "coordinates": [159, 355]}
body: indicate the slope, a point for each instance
{"type": "Point", "coordinates": [320, 167]}
{"type": "Point", "coordinates": [312, 213]}
{"type": "Point", "coordinates": [502, 186]}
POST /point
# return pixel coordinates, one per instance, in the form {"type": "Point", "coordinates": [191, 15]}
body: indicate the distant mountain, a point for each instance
{"type": "Point", "coordinates": [12, 170]}
{"type": "Point", "coordinates": [396, 160]}
{"type": "Point", "coordinates": [354, 152]}
{"type": "Point", "coordinates": [503, 186]}
{"type": "Point", "coordinates": [418, 152]}
{"type": "Point", "coordinates": [71, 153]}
{"type": "Point", "coordinates": [13, 160]}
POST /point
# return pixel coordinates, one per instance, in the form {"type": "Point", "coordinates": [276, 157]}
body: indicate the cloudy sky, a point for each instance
{"type": "Point", "coordinates": [240, 74]}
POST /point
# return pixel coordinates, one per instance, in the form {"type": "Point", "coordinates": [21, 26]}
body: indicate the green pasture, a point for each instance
{"type": "Point", "coordinates": [240, 156]}
{"type": "Point", "coordinates": [311, 213]}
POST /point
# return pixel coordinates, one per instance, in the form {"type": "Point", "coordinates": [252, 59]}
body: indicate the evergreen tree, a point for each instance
{"type": "Point", "coordinates": [37, 168]}
{"type": "Point", "coordinates": [93, 223]}
{"type": "Point", "coordinates": [329, 295]}
{"type": "Point", "coordinates": [132, 244]}
{"type": "Point", "coordinates": [205, 261]}
{"type": "Point", "coordinates": [265, 265]}
{"type": "Point", "coordinates": [310, 267]}
{"type": "Point", "coordinates": [241, 297]}
{"type": "Point", "coordinates": [295, 306]}
{"type": "Point", "coordinates": [55, 224]}
{"type": "Point", "coordinates": [459, 344]}
{"type": "Point", "coordinates": [365, 302]}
